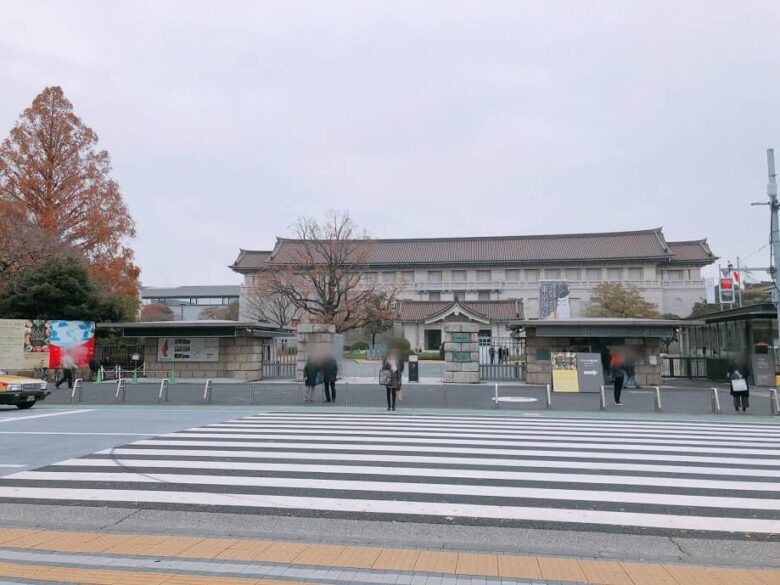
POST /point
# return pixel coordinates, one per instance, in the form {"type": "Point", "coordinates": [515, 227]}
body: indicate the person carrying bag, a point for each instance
{"type": "Point", "coordinates": [740, 389]}
{"type": "Point", "coordinates": [390, 376]}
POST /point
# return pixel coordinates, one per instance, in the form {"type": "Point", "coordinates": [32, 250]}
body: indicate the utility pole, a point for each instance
{"type": "Point", "coordinates": [771, 191]}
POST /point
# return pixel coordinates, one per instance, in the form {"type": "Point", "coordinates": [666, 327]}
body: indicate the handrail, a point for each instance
{"type": "Point", "coordinates": [121, 390]}
{"type": "Point", "coordinates": [163, 396]}
{"type": "Point", "coordinates": [207, 392]}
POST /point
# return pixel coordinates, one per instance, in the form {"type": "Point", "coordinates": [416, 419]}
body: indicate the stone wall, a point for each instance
{"type": "Point", "coordinates": [461, 372]}
{"type": "Point", "coordinates": [239, 357]}
{"type": "Point", "coordinates": [539, 371]}
{"type": "Point", "coordinates": [314, 339]}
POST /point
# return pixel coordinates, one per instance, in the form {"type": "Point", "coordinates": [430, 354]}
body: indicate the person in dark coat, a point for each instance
{"type": "Point", "coordinates": [618, 375]}
{"type": "Point", "coordinates": [395, 364]}
{"type": "Point", "coordinates": [311, 376]}
{"type": "Point", "coordinates": [739, 387]}
{"type": "Point", "coordinates": [330, 371]}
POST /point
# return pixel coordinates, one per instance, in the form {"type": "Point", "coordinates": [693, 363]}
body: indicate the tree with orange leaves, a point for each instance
{"type": "Point", "coordinates": [53, 177]}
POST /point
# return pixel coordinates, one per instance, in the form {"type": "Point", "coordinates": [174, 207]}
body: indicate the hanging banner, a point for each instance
{"type": "Point", "coordinates": [72, 344]}
{"type": "Point", "coordinates": [564, 371]}
{"type": "Point", "coordinates": [24, 345]}
{"type": "Point", "coordinates": [554, 302]}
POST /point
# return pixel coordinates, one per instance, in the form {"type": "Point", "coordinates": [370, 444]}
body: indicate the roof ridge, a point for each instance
{"type": "Point", "coordinates": [655, 231]}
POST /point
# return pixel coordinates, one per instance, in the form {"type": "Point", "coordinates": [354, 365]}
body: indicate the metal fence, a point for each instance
{"type": "Point", "coordinates": [502, 372]}
{"type": "Point", "coordinates": [684, 367]}
{"type": "Point", "coordinates": [501, 358]}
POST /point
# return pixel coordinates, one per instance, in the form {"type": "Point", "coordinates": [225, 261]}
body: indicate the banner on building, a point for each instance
{"type": "Point", "coordinates": [24, 345]}
{"type": "Point", "coordinates": [71, 343]}
{"type": "Point", "coordinates": [188, 349]}
{"type": "Point", "coordinates": [554, 301]}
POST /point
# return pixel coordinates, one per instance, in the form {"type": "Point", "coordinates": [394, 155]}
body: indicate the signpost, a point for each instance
{"type": "Point", "coordinates": [589, 372]}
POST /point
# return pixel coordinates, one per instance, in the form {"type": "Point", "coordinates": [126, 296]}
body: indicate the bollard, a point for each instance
{"type": "Point", "coordinates": [346, 394]}
{"type": "Point", "coordinates": [496, 397]}
{"type": "Point", "coordinates": [121, 390]}
{"type": "Point", "coordinates": [118, 371]}
{"type": "Point", "coordinates": [76, 390]}
{"type": "Point", "coordinates": [603, 400]}
{"type": "Point", "coordinates": [774, 404]}
{"type": "Point", "coordinates": [163, 396]}
{"type": "Point", "coordinates": [549, 398]}
{"type": "Point", "coordinates": [252, 395]}
{"type": "Point", "coordinates": [172, 377]}
{"type": "Point", "coordinates": [207, 392]}
{"type": "Point", "coordinates": [134, 379]}
{"type": "Point", "coordinates": [658, 407]}
{"type": "Point", "coordinates": [715, 400]}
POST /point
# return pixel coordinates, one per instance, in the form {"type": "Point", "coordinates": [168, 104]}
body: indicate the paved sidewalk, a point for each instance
{"type": "Point", "coordinates": [42, 556]}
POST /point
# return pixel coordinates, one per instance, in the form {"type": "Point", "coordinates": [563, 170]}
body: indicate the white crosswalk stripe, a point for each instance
{"type": "Point", "coordinates": [620, 475]}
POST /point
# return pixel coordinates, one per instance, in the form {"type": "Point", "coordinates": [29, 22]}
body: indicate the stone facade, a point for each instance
{"type": "Point", "coordinates": [239, 357]}
{"type": "Point", "coordinates": [539, 371]}
{"type": "Point", "coordinates": [313, 339]}
{"type": "Point", "coordinates": [456, 372]}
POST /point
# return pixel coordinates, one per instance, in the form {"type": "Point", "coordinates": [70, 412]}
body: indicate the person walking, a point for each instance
{"type": "Point", "coordinates": [391, 376]}
{"type": "Point", "coordinates": [311, 373]}
{"type": "Point", "coordinates": [68, 370]}
{"type": "Point", "coordinates": [739, 387]}
{"type": "Point", "coordinates": [618, 375]}
{"type": "Point", "coordinates": [630, 367]}
{"type": "Point", "coordinates": [330, 371]}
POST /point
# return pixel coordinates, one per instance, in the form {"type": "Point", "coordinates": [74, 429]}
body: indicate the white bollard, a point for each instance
{"type": "Point", "coordinates": [658, 406]}
{"type": "Point", "coordinates": [121, 390]}
{"type": "Point", "coordinates": [496, 396]}
{"type": "Point", "coordinates": [774, 404]}
{"type": "Point", "coordinates": [715, 401]}
{"type": "Point", "coordinates": [549, 397]}
{"type": "Point", "coordinates": [76, 390]}
{"type": "Point", "coordinates": [603, 400]}
{"type": "Point", "coordinates": [163, 396]}
{"type": "Point", "coordinates": [207, 392]}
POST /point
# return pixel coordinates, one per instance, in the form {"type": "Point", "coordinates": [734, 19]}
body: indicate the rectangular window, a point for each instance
{"type": "Point", "coordinates": [434, 276]}
{"type": "Point", "coordinates": [674, 275]}
{"type": "Point", "coordinates": [512, 275]}
{"type": "Point", "coordinates": [458, 276]}
{"type": "Point", "coordinates": [388, 277]}
{"type": "Point", "coordinates": [552, 274]}
{"type": "Point", "coordinates": [483, 275]}
{"type": "Point", "coordinates": [593, 274]}
{"type": "Point", "coordinates": [434, 296]}
{"type": "Point", "coordinates": [483, 295]}
{"type": "Point", "coordinates": [532, 275]}
{"type": "Point", "coordinates": [635, 274]}
{"type": "Point", "coordinates": [432, 339]}
{"type": "Point", "coordinates": [407, 276]}
{"type": "Point", "coordinates": [573, 274]}
{"type": "Point", "coordinates": [614, 274]}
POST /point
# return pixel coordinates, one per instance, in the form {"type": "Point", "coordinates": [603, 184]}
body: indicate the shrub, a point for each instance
{"type": "Point", "coordinates": [359, 346]}
{"type": "Point", "coordinates": [400, 343]}
{"type": "Point", "coordinates": [429, 356]}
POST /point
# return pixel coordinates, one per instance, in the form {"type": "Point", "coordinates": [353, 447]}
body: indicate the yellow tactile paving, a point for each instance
{"type": "Point", "coordinates": [561, 569]}
{"type": "Point", "coordinates": [357, 557]}
{"type": "Point", "coordinates": [391, 559]}
{"type": "Point", "coordinates": [605, 573]}
{"type": "Point", "coordinates": [477, 564]}
{"type": "Point", "coordinates": [319, 554]}
{"type": "Point", "coordinates": [646, 574]}
{"type": "Point", "coordinates": [436, 562]}
{"type": "Point", "coordinates": [519, 567]}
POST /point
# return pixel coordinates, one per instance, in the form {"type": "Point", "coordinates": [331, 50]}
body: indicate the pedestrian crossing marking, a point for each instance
{"type": "Point", "coordinates": [663, 476]}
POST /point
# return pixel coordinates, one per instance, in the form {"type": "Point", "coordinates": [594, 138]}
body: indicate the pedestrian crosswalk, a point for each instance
{"type": "Point", "coordinates": [627, 475]}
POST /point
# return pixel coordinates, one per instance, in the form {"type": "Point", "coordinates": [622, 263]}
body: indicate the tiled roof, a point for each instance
{"type": "Point", "coordinates": [694, 251]}
{"type": "Point", "coordinates": [613, 246]}
{"type": "Point", "coordinates": [229, 290]}
{"type": "Point", "coordinates": [494, 310]}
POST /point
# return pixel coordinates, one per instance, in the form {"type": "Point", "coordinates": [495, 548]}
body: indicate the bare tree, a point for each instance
{"type": "Point", "coordinates": [321, 273]}
{"type": "Point", "coordinates": [264, 304]}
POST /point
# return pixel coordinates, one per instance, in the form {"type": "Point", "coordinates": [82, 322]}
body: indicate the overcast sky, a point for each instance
{"type": "Point", "coordinates": [227, 120]}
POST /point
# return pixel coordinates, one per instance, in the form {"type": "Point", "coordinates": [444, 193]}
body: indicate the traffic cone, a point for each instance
{"type": "Point", "coordinates": [99, 377]}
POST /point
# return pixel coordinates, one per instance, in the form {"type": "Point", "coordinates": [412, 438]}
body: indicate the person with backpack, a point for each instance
{"type": "Point", "coordinates": [739, 387]}
{"type": "Point", "coordinates": [390, 376]}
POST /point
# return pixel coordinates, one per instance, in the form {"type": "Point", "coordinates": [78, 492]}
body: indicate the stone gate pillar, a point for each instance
{"type": "Point", "coordinates": [314, 339]}
{"type": "Point", "coordinates": [461, 353]}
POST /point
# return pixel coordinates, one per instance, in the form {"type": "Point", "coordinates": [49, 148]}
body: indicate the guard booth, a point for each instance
{"type": "Point", "coordinates": [575, 349]}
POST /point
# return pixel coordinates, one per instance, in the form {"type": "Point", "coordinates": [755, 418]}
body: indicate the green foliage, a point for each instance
{"type": "Point", "coordinates": [61, 288]}
{"type": "Point", "coordinates": [429, 356]}
{"type": "Point", "coordinates": [670, 316]}
{"type": "Point", "coordinates": [359, 346]}
{"type": "Point", "coordinates": [400, 343]}
{"type": "Point", "coordinates": [613, 299]}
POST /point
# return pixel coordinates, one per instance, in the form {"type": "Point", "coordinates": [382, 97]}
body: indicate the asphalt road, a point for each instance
{"type": "Point", "coordinates": [47, 435]}
{"type": "Point", "coordinates": [678, 397]}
